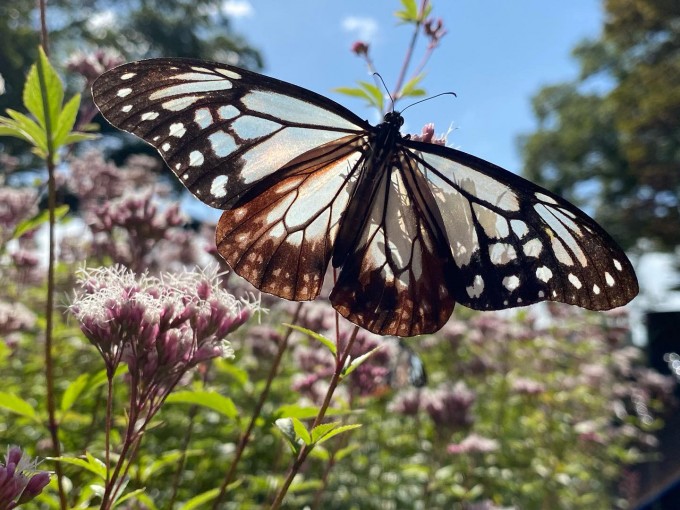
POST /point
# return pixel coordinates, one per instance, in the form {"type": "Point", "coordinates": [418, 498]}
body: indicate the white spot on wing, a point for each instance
{"type": "Point", "coordinates": [560, 252]}
{"type": "Point", "coordinates": [180, 103]}
{"type": "Point", "coordinates": [222, 143]}
{"type": "Point", "coordinates": [545, 198]}
{"type": "Point", "coordinates": [511, 283]}
{"type": "Point", "coordinates": [596, 289]}
{"type": "Point", "coordinates": [501, 253]}
{"type": "Point", "coordinates": [609, 279]}
{"type": "Point", "coordinates": [544, 274]}
{"type": "Point", "coordinates": [532, 248]}
{"type": "Point", "coordinates": [150, 115]}
{"type": "Point", "coordinates": [575, 281]}
{"type": "Point", "coordinates": [126, 108]}
{"type": "Point", "coordinates": [617, 264]}
{"type": "Point", "coordinates": [177, 129]}
{"type": "Point", "coordinates": [249, 127]}
{"type": "Point", "coordinates": [218, 186]}
{"type": "Point", "coordinates": [477, 287]}
{"type": "Point", "coordinates": [228, 73]}
{"type": "Point", "coordinates": [127, 76]}
{"type": "Point", "coordinates": [227, 112]}
{"type": "Point", "coordinates": [124, 92]}
{"type": "Point", "coordinates": [190, 88]}
{"type": "Point", "coordinates": [165, 147]}
{"type": "Point", "coordinates": [203, 117]}
{"type": "Point", "coordinates": [519, 228]}
{"type": "Point", "coordinates": [195, 158]}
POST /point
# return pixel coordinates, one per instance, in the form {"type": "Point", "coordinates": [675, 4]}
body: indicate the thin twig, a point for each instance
{"type": "Point", "coordinates": [245, 437]}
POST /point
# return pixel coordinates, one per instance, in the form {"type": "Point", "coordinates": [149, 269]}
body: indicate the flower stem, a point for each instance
{"type": "Point", "coordinates": [245, 437]}
{"type": "Point", "coordinates": [340, 362]}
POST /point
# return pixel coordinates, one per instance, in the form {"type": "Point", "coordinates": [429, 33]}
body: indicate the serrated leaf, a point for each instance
{"type": "Point", "coordinates": [338, 430]}
{"type": "Point", "coordinates": [330, 345]}
{"type": "Point", "coordinates": [89, 463]}
{"type": "Point", "coordinates": [17, 405]}
{"type": "Point", "coordinates": [28, 128]}
{"type": "Point", "coordinates": [321, 430]}
{"type": "Point", "coordinates": [73, 391]}
{"type": "Point", "coordinates": [43, 85]}
{"type": "Point", "coordinates": [37, 220]}
{"type": "Point", "coordinates": [210, 399]}
{"type": "Point", "coordinates": [66, 120]}
{"type": "Point", "coordinates": [301, 431]}
{"type": "Point", "coordinates": [358, 361]}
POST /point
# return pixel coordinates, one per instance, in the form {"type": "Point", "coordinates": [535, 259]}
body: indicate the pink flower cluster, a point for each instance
{"type": "Point", "coordinates": [19, 480]}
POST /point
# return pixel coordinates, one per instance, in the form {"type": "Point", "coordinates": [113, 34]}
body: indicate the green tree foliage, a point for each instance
{"type": "Point", "coordinates": [618, 151]}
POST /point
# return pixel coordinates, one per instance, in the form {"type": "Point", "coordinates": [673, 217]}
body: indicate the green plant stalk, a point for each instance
{"type": "Point", "coordinates": [245, 437]}
{"type": "Point", "coordinates": [409, 53]}
{"type": "Point", "coordinates": [341, 360]}
{"type": "Point", "coordinates": [53, 426]}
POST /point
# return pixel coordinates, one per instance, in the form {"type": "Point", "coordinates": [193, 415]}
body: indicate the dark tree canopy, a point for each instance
{"type": "Point", "coordinates": [618, 152]}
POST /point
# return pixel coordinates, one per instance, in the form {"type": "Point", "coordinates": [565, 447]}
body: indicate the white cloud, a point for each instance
{"type": "Point", "coordinates": [364, 29]}
{"type": "Point", "coordinates": [238, 8]}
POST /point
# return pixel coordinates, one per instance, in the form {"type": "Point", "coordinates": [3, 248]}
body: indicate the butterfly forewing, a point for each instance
{"type": "Point", "coordinates": [514, 243]}
{"type": "Point", "coordinates": [219, 128]}
{"type": "Point", "coordinates": [412, 227]}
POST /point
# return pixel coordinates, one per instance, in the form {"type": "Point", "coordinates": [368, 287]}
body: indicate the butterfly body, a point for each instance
{"type": "Point", "coordinates": [410, 227]}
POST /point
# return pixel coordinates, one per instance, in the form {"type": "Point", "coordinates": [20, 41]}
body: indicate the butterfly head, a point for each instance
{"type": "Point", "coordinates": [394, 118]}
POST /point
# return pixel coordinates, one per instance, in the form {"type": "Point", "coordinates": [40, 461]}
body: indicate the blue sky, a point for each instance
{"type": "Point", "coordinates": [496, 55]}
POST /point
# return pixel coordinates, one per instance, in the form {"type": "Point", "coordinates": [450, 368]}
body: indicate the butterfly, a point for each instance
{"type": "Point", "coordinates": [409, 227]}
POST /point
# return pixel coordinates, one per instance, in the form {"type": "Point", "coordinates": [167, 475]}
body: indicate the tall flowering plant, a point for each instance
{"type": "Point", "coordinates": [161, 328]}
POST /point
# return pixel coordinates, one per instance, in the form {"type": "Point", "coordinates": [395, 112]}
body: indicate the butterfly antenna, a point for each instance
{"type": "Point", "coordinates": [386, 89]}
{"type": "Point", "coordinates": [428, 98]}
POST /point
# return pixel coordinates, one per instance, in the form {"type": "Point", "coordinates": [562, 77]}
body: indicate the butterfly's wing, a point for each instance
{"type": "Point", "coordinates": [514, 243]}
{"type": "Point", "coordinates": [219, 128]}
{"type": "Point", "coordinates": [281, 160]}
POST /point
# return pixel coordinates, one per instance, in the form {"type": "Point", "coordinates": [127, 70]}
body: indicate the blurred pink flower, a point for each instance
{"type": "Point", "coordinates": [20, 482]}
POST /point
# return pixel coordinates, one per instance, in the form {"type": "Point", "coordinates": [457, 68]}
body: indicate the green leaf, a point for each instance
{"type": "Point", "coordinates": [321, 430]}
{"type": "Point", "coordinates": [17, 405]}
{"type": "Point", "coordinates": [210, 399]}
{"type": "Point", "coordinates": [39, 219]}
{"type": "Point", "coordinates": [25, 128]}
{"type": "Point", "coordinates": [200, 500]}
{"type": "Point", "coordinates": [132, 494]}
{"type": "Point", "coordinates": [344, 452]}
{"type": "Point", "coordinates": [306, 412]}
{"type": "Point", "coordinates": [287, 429]}
{"type": "Point", "coordinates": [90, 463]}
{"type": "Point", "coordinates": [338, 430]}
{"type": "Point", "coordinates": [73, 391]}
{"type": "Point", "coordinates": [66, 120]}
{"type": "Point", "coordinates": [43, 85]}
{"type": "Point", "coordinates": [77, 136]}
{"type": "Point", "coordinates": [410, 11]}
{"type": "Point", "coordinates": [410, 88]}
{"type": "Point", "coordinates": [376, 93]}
{"type": "Point", "coordinates": [301, 431]}
{"type": "Point", "coordinates": [358, 361]}
{"type": "Point", "coordinates": [330, 345]}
